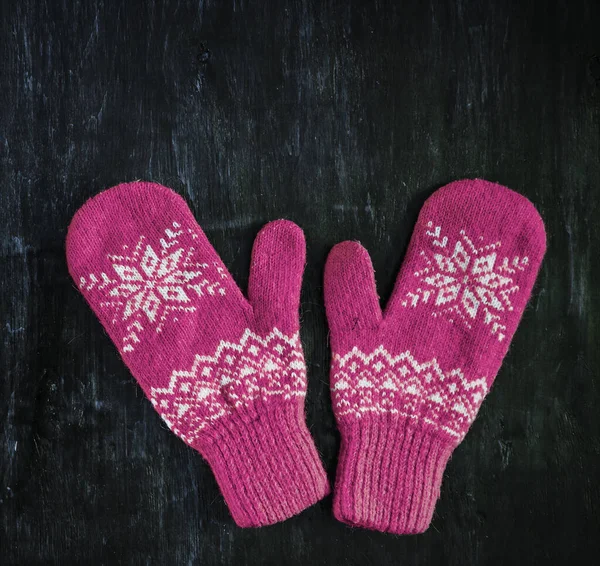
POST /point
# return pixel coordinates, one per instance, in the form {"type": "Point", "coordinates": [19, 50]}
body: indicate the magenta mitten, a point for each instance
{"type": "Point", "coordinates": [407, 384]}
{"type": "Point", "coordinates": [226, 374]}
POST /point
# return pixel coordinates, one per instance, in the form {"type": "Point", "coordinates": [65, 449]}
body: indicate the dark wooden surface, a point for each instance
{"type": "Point", "coordinates": [342, 116]}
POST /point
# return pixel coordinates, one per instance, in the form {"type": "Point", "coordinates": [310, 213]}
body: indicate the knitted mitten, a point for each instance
{"type": "Point", "coordinates": [407, 384]}
{"type": "Point", "coordinates": [226, 374]}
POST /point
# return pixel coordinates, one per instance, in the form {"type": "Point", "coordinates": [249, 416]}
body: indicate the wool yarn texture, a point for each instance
{"type": "Point", "coordinates": [408, 382]}
{"type": "Point", "coordinates": [225, 372]}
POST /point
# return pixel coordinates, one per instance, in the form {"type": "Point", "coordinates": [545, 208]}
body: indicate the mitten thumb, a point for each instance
{"type": "Point", "coordinates": [278, 258]}
{"type": "Point", "coordinates": [351, 297]}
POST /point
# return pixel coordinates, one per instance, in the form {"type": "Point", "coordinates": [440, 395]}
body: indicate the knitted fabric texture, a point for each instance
{"type": "Point", "coordinates": [407, 383]}
{"type": "Point", "coordinates": [226, 374]}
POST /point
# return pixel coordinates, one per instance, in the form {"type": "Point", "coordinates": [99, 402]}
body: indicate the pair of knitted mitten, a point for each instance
{"type": "Point", "coordinates": [407, 383]}
{"type": "Point", "coordinates": [227, 374]}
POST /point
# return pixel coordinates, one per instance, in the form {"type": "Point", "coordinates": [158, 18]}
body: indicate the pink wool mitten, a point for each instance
{"type": "Point", "coordinates": [225, 373]}
{"type": "Point", "coordinates": [407, 383]}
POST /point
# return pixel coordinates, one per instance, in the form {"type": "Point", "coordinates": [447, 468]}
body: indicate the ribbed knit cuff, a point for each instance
{"type": "Point", "coordinates": [266, 464]}
{"type": "Point", "coordinates": [389, 474]}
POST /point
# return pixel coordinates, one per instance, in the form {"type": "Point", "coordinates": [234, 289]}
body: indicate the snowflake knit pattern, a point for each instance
{"type": "Point", "coordinates": [226, 373]}
{"type": "Point", "coordinates": [407, 383]}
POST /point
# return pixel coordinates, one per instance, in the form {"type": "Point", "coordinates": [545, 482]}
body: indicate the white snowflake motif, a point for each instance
{"type": "Point", "coordinates": [154, 282]}
{"type": "Point", "coordinates": [150, 285]}
{"type": "Point", "coordinates": [467, 282]}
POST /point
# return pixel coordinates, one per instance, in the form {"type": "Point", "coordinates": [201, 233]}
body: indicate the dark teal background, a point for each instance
{"type": "Point", "coordinates": [342, 116]}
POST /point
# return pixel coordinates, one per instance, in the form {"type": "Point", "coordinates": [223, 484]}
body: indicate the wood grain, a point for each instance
{"type": "Point", "coordinates": [341, 116]}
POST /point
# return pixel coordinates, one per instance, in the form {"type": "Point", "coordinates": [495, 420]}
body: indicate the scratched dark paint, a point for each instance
{"type": "Point", "coordinates": [343, 117]}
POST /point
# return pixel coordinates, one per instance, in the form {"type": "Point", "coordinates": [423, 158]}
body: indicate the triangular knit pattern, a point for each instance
{"type": "Point", "coordinates": [234, 377]}
{"type": "Point", "coordinates": [225, 371]}
{"type": "Point", "coordinates": [407, 382]}
{"type": "Point", "coordinates": [382, 383]}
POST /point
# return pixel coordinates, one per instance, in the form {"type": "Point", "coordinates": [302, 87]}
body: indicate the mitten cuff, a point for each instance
{"type": "Point", "coordinates": [389, 473]}
{"type": "Point", "coordinates": [266, 464]}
